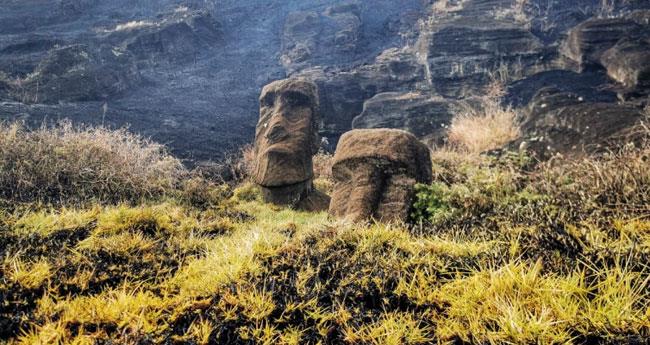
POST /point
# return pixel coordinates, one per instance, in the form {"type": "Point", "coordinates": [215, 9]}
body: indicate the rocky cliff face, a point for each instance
{"type": "Point", "coordinates": [188, 73]}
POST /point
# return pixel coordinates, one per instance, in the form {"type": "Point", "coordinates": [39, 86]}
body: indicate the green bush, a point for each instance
{"type": "Point", "coordinates": [431, 203]}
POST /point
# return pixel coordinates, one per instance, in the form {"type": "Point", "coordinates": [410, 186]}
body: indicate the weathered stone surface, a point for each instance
{"type": "Point", "coordinates": [198, 92]}
{"type": "Point", "coordinates": [178, 36]}
{"type": "Point", "coordinates": [375, 171]}
{"type": "Point", "coordinates": [562, 122]}
{"type": "Point", "coordinates": [21, 57]}
{"type": "Point", "coordinates": [641, 17]}
{"type": "Point", "coordinates": [312, 38]}
{"type": "Point", "coordinates": [463, 45]}
{"type": "Point", "coordinates": [592, 87]}
{"type": "Point", "coordinates": [287, 133]}
{"type": "Point", "coordinates": [203, 62]}
{"type": "Point", "coordinates": [75, 73]}
{"type": "Point", "coordinates": [343, 93]}
{"type": "Point", "coordinates": [286, 138]}
{"type": "Point", "coordinates": [587, 42]}
{"type": "Point", "coordinates": [421, 114]}
{"type": "Point", "coordinates": [5, 87]}
{"type": "Point", "coordinates": [628, 62]}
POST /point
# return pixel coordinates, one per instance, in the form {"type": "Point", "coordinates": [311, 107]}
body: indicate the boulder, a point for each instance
{"type": "Point", "coordinates": [375, 171]}
{"type": "Point", "coordinates": [587, 42]}
{"type": "Point", "coordinates": [423, 115]}
{"type": "Point", "coordinates": [286, 138]}
{"type": "Point", "coordinates": [628, 62]}
{"type": "Point", "coordinates": [562, 122]}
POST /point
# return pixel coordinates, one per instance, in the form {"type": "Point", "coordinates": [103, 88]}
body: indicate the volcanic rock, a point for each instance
{"type": "Point", "coordinates": [562, 122]}
{"type": "Point", "coordinates": [417, 113]}
{"type": "Point", "coordinates": [312, 38]}
{"type": "Point", "coordinates": [178, 37]}
{"type": "Point", "coordinates": [628, 62]}
{"type": "Point", "coordinates": [75, 73]}
{"type": "Point", "coordinates": [286, 138]}
{"type": "Point", "coordinates": [587, 42]}
{"type": "Point", "coordinates": [343, 93]}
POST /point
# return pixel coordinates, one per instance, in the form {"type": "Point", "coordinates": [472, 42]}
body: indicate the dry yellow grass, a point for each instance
{"type": "Point", "coordinates": [484, 127]}
{"type": "Point", "coordinates": [70, 164]}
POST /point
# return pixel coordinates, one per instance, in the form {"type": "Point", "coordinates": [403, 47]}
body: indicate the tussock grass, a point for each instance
{"type": "Point", "coordinates": [66, 164]}
{"type": "Point", "coordinates": [484, 127]}
{"type": "Point", "coordinates": [28, 275]}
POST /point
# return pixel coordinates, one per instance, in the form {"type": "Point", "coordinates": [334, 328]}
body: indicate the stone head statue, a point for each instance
{"type": "Point", "coordinates": [375, 171]}
{"type": "Point", "coordinates": [286, 138]}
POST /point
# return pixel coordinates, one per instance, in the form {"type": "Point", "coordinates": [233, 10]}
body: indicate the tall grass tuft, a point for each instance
{"type": "Point", "coordinates": [76, 165]}
{"type": "Point", "coordinates": [484, 127]}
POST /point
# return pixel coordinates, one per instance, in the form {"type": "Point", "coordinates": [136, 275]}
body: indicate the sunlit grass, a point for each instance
{"type": "Point", "coordinates": [46, 223]}
{"type": "Point", "coordinates": [30, 275]}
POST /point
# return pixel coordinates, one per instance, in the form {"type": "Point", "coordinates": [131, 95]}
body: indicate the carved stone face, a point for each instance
{"type": "Point", "coordinates": [375, 172]}
{"type": "Point", "coordinates": [286, 136]}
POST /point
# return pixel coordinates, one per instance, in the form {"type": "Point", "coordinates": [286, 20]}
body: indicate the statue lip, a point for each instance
{"type": "Point", "coordinates": [275, 148]}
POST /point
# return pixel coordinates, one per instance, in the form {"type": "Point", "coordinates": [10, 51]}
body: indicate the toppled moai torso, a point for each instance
{"type": "Point", "coordinates": [286, 138]}
{"type": "Point", "coordinates": [375, 172]}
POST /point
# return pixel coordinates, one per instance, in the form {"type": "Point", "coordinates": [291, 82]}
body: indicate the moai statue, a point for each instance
{"type": "Point", "coordinates": [286, 138]}
{"type": "Point", "coordinates": [375, 172]}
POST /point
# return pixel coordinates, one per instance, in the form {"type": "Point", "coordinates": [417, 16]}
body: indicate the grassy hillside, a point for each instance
{"type": "Point", "coordinates": [504, 250]}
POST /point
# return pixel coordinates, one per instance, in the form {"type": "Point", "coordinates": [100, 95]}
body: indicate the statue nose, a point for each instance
{"type": "Point", "coordinates": [277, 133]}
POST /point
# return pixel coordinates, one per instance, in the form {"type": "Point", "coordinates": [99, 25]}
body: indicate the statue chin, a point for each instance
{"type": "Point", "coordinates": [280, 167]}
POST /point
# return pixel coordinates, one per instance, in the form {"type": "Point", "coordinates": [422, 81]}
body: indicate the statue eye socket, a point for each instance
{"type": "Point", "coordinates": [296, 99]}
{"type": "Point", "coordinates": [268, 100]}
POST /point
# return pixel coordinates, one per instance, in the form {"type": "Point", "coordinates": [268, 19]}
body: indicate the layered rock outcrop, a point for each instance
{"type": "Point", "coordinates": [179, 36]}
{"type": "Point", "coordinates": [77, 73]}
{"type": "Point", "coordinates": [331, 37]}
{"type": "Point", "coordinates": [563, 122]}
{"type": "Point", "coordinates": [587, 42]}
{"type": "Point", "coordinates": [421, 114]}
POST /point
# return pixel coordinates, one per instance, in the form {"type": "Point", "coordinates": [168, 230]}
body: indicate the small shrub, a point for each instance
{"type": "Point", "coordinates": [76, 165]}
{"type": "Point", "coordinates": [202, 193]}
{"type": "Point", "coordinates": [233, 169]}
{"type": "Point", "coordinates": [431, 203]}
{"type": "Point", "coordinates": [468, 188]}
{"type": "Point", "coordinates": [484, 127]}
{"type": "Point", "coordinates": [247, 161]}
